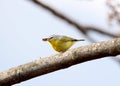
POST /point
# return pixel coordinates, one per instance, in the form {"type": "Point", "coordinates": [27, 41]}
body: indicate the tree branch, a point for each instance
{"type": "Point", "coordinates": [60, 61]}
{"type": "Point", "coordinates": [78, 26]}
{"type": "Point", "coordinates": [100, 31]}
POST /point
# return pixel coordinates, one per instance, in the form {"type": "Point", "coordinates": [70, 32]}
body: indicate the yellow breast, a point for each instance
{"type": "Point", "coordinates": [61, 45]}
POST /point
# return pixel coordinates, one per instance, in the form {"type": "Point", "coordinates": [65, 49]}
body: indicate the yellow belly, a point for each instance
{"type": "Point", "coordinates": [61, 46]}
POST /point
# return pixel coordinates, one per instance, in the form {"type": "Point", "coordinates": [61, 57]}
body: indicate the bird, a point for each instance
{"type": "Point", "coordinates": [61, 43]}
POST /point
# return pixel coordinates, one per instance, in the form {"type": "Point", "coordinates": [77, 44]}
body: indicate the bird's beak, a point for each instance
{"type": "Point", "coordinates": [46, 39]}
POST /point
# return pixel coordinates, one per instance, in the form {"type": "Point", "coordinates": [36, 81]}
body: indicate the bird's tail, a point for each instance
{"type": "Point", "coordinates": [78, 40]}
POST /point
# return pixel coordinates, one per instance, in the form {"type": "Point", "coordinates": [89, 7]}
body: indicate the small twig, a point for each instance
{"type": "Point", "coordinates": [114, 8]}
{"type": "Point", "coordinates": [101, 31]}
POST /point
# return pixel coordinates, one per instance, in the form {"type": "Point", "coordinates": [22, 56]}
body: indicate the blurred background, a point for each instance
{"type": "Point", "coordinates": [23, 24]}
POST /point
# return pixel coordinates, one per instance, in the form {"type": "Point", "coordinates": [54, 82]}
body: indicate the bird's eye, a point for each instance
{"type": "Point", "coordinates": [51, 37]}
